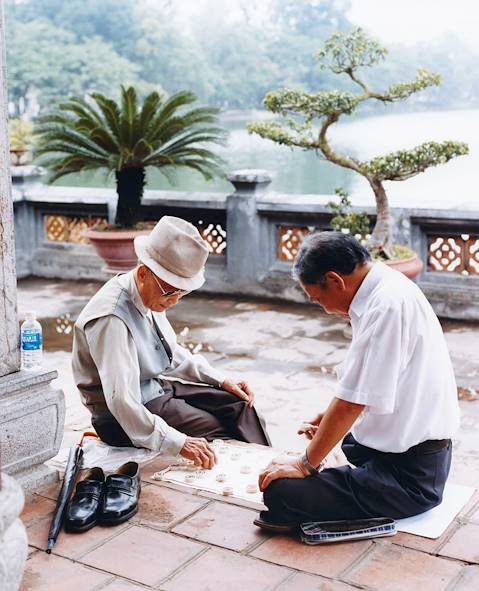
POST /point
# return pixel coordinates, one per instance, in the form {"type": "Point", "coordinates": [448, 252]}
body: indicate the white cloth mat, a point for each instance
{"type": "Point", "coordinates": [97, 453]}
{"type": "Point", "coordinates": [434, 523]}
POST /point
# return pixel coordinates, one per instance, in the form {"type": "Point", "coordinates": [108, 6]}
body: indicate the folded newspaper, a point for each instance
{"type": "Point", "coordinates": [325, 532]}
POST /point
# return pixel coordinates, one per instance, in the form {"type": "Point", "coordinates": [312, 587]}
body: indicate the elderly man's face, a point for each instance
{"type": "Point", "coordinates": [157, 294]}
{"type": "Point", "coordinates": [333, 297]}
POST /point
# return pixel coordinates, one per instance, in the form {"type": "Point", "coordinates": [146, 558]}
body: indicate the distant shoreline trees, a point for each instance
{"type": "Point", "coordinates": [57, 49]}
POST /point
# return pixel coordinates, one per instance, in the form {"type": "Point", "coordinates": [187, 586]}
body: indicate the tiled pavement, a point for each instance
{"type": "Point", "coordinates": [185, 541]}
{"type": "Point", "coordinates": [189, 541]}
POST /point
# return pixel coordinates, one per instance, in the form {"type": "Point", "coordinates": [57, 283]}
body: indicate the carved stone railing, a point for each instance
{"type": "Point", "coordinates": [253, 236]}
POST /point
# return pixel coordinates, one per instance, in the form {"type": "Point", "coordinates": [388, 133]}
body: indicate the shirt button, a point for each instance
{"type": "Point", "coordinates": [158, 347]}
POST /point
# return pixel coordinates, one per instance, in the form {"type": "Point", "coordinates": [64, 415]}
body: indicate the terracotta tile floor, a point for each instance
{"type": "Point", "coordinates": [181, 541]}
{"type": "Point", "coordinates": [184, 541]}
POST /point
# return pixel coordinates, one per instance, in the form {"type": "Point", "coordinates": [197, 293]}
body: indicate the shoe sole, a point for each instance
{"type": "Point", "coordinates": [116, 521]}
{"type": "Point", "coordinates": [276, 527]}
{"type": "Point", "coordinates": [71, 529]}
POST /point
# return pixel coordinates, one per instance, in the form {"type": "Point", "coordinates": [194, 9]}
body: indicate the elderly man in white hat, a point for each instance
{"type": "Point", "coordinates": [125, 351]}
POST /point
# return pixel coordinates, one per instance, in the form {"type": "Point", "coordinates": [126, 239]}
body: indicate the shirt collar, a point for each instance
{"type": "Point", "coordinates": [377, 272]}
{"type": "Point", "coordinates": [127, 281]}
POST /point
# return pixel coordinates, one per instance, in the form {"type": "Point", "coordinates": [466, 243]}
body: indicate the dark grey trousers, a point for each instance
{"type": "Point", "coordinates": [197, 411]}
{"type": "Point", "coordinates": [382, 484]}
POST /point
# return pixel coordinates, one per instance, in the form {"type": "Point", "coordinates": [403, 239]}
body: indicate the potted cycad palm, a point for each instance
{"type": "Point", "coordinates": [308, 117]}
{"type": "Point", "coordinates": [127, 138]}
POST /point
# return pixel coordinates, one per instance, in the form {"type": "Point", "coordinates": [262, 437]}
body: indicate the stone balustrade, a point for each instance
{"type": "Point", "coordinates": [253, 235]}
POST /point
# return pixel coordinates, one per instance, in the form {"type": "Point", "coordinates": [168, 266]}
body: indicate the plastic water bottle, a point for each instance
{"type": "Point", "coordinates": [32, 342]}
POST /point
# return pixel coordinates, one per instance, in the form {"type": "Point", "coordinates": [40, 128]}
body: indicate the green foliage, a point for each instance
{"type": "Point", "coordinates": [310, 105]}
{"type": "Point", "coordinates": [423, 80]}
{"type": "Point", "coordinates": [144, 43]}
{"type": "Point", "coordinates": [39, 62]}
{"type": "Point", "coordinates": [279, 134]}
{"type": "Point", "coordinates": [225, 62]}
{"type": "Point", "coordinates": [116, 22]}
{"type": "Point", "coordinates": [345, 219]}
{"type": "Point", "coordinates": [404, 164]}
{"type": "Point", "coordinates": [20, 133]}
{"type": "Point", "coordinates": [100, 133]}
{"type": "Point", "coordinates": [346, 52]}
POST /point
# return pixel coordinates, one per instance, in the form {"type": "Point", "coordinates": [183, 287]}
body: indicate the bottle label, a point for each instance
{"type": "Point", "coordinates": [31, 340]}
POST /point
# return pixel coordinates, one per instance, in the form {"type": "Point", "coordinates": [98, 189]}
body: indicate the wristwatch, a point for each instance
{"type": "Point", "coordinates": [309, 467]}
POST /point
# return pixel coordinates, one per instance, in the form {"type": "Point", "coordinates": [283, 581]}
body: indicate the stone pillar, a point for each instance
{"type": "Point", "coordinates": [9, 334]}
{"type": "Point", "coordinates": [32, 413]}
{"type": "Point", "coordinates": [13, 538]}
{"type": "Point", "coordinates": [242, 226]}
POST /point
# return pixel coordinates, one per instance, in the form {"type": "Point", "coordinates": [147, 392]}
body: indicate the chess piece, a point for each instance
{"type": "Point", "coordinates": [245, 469]}
{"type": "Point", "coordinates": [190, 478]}
{"type": "Point", "coordinates": [228, 491]}
{"type": "Point", "coordinates": [251, 489]}
{"type": "Point", "coordinates": [221, 477]}
{"type": "Point", "coordinates": [236, 455]}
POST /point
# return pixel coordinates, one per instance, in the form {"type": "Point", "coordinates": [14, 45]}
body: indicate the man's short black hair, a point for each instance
{"type": "Point", "coordinates": [328, 251]}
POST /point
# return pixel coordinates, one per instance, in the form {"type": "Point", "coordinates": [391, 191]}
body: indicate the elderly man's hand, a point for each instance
{"type": "Point", "coordinates": [200, 452]}
{"type": "Point", "coordinates": [241, 390]}
{"type": "Point", "coordinates": [281, 468]}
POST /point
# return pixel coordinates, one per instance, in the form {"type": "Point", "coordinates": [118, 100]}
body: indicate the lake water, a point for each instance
{"type": "Point", "coordinates": [453, 185]}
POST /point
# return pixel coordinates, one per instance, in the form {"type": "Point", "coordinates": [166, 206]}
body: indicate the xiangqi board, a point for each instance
{"type": "Point", "coordinates": [235, 475]}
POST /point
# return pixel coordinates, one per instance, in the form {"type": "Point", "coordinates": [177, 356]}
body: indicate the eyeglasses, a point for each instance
{"type": "Point", "coordinates": [168, 294]}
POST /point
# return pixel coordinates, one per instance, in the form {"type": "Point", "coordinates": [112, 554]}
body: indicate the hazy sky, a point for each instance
{"type": "Point", "coordinates": [418, 20]}
{"type": "Point", "coordinates": [405, 21]}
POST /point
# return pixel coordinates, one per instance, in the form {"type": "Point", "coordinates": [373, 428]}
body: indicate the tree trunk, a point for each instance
{"type": "Point", "coordinates": [130, 183]}
{"type": "Point", "coordinates": [381, 238]}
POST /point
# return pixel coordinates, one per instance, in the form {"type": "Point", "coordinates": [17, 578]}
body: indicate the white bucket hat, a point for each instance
{"type": "Point", "coordinates": [175, 252]}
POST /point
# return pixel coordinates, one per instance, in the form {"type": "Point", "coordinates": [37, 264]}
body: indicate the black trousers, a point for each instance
{"type": "Point", "coordinates": [197, 411]}
{"type": "Point", "coordinates": [382, 484]}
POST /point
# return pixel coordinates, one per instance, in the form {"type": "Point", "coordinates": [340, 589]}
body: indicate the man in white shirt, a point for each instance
{"type": "Point", "coordinates": [395, 408]}
{"type": "Point", "coordinates": [125, 351]}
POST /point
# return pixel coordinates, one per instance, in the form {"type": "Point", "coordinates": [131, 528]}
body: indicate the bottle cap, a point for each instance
{"type": "Point", "coordinates": [30, 315]}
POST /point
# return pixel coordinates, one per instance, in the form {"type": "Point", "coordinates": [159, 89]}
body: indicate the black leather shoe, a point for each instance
{"type": "Point", "coordinates": [120, 495]}
{"type": "Point", "coordinates": [83, 510]}
{"type": "Point", "coordinates": [265, 522]}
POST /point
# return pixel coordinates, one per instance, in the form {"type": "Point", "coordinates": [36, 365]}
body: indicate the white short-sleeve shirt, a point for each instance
{"type": "Point", "coordinates": [398, 365]}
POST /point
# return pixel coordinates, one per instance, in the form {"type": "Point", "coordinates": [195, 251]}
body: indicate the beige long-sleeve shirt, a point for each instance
{"type": "Point", "coordinates": [114, 352]}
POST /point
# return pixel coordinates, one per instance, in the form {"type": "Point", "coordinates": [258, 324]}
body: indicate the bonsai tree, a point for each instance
{"type": "Point", "coordinates": [20, 133]}
{"type": "Point", "coordinates": [347, 54]}
{"type": "Point", "coordinates": [127, 138]}
{"type": "Point", "coordinates": [346, 220]}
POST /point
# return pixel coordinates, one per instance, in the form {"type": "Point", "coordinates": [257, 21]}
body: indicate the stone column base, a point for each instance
{"type": "Point", "coordinates": [32, 417]}
{"type": "Point", "coordinates": [13, 537]}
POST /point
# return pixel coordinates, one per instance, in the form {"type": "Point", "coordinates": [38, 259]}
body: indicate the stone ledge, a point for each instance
{"type": "Point", "coordinates": [32, 416]}
{"type": "Point", "coordinates": [22, 380]}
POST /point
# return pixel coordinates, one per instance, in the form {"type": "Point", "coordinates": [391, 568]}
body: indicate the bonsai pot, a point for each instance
{"type": "Point", "coordinates": [19, 157]}
{"type": "Point", "coordinates": [115, 247]}
{"type": "Point", "coordinates": [411, 267]}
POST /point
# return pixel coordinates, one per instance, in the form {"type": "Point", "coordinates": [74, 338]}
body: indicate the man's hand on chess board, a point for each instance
{"type": "Point", "coordinates": [200, 452]}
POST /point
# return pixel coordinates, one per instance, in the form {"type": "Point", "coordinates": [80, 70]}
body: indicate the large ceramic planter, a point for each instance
{"type": "Point", "coordinates": [115, 247]}
{"type": "Point", "coordinates": [412, 267]}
